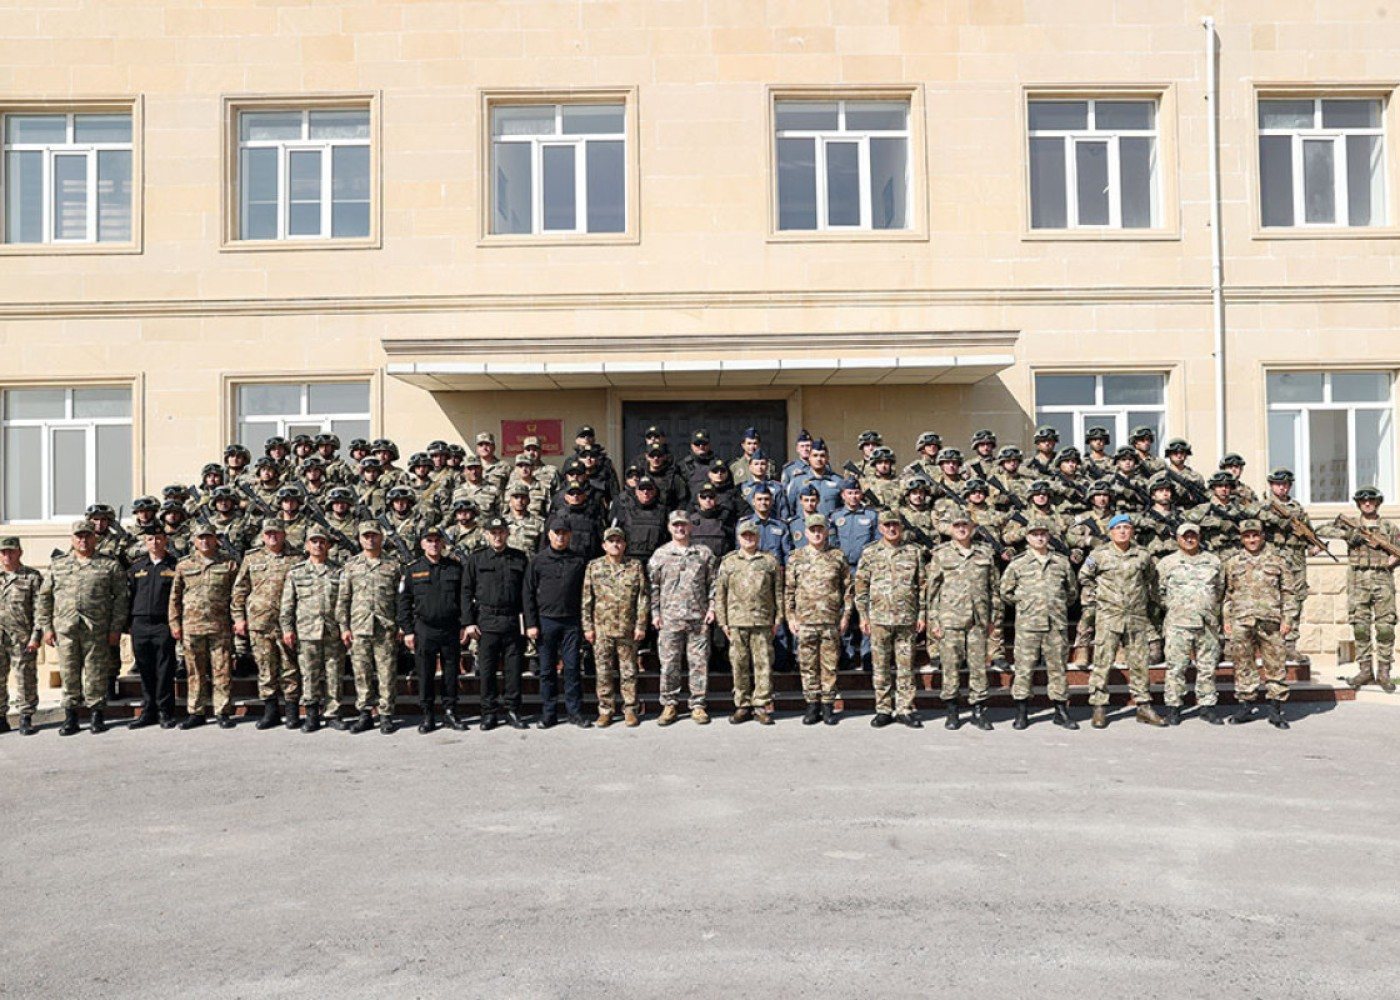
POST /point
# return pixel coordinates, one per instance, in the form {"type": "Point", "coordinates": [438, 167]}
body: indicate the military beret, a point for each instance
{"type": "Point", "coordinates": [518, 490]}
{"type": "Point", "coordinates": [815, 521]}
{"type": "Point", "coordinates": [495, 523]}
{"type": "Point", "coordinates": [369, 528]}
{"type": "Point", "coordinates": [612, 532]}
{"type": "Point", "coordinates": [850, 483]}
{"type": "Point", "coordinates": [84, 527]}
{"type": "Point", "coordinates": [1250, 524]}
{"type": "Point", "coordinates": [1188, 527]}
{"type": "Point", "coordinates": [748, 527]}
{"type": "Point", "coordinates": [316, 531]}
{"type": "Point", "coordinates": [1118, 519]}
{"type": "Point", "coordinates": [273, 524]}
{"type": "Point", "coordinates": [9, 542]}
{"type": "Point", "coordinates": [890, 516]}
{"type": "Point", "coordinates": [678, 517]}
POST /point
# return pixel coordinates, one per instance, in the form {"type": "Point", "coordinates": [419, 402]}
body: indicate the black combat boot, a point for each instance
{"type": "Point", "coordinates": [1209, 714]}
{"type": "Point", "coordinates": [829, 713]}
{"type": "Point", "coordinates": [429, 722]}
{"type": "Point", "coordinates": [333, 719]}
{"type": "Point", "coordinates": [813, 714]}
{"type": "Point", "coordinates": [270, 716]}
{"type": "Point", "coordinates": [489, 721]}
{"type": "Point", "coordinates": [910, 719]}
{"type": "Point", "coordinates": [26, 725]}
{"type": "Point", "coordinates": [979, 717]}
{"type": "Point", "coordinates": [1023, 715]}
{"type": "Point", "coordinates": [1243, 714]}
{"type": "Point", "coordinates": [364, 723]}
{"type": "Point", "coordinates": [70, 722]}
{"type": "Point", "coordinates": [514, 720]}
{"type": "Point", "coordinates": [143, 720]}
{"type": "Point", "coordinates": [1173, 715]}
{"type": "Point", "coordinates": [168, 722]}
{"type": "Point", "coordinates": [1276, 718]}
{"type": "Point", "coordinates": [193, 721]}
{"type": "Point", "coordinates": [96, 723]}
{"type": "Point", "coordinates": [313, 719]}
{"type": "Point", "coordinates": [950, 715]}
{"type": "Point", "coordinates": [386, 724]}
{"type": "Point", "coordinates": [293, 716]}
{"type": "Point", "coordinates": [1062, 716]}
{"type": "Point", "coordinates": [881, 719]}
{"type": "Point", "coordinates": [225, 721]}
{"type": "Point", "coordinates": [4, 724]}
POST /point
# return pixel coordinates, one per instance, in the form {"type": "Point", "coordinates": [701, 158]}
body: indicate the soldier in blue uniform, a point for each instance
{"type": "Point", "coordinates": [856, 526]}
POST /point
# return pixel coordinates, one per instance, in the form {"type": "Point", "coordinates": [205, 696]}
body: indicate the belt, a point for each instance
{"type": "Point", "coordinates": [1378, 569]}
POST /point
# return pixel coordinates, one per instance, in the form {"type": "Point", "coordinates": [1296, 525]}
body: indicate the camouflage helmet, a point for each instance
{"type": "Point", "coordinates": [173, 507]}
{"type": "Point", "coordinates": [1281, 474]}
{"type": "Point", "coordinates": [266, 462]}
{"type": "Point", "coordinates": [1127, 451]}
{"type": "Point", "coordinates": [290, 492]}
{"type": "Point", "coordinates": [456, 451]}
{"type": "Point", "coordinates": [984, 436]}
{"type": "Point", "coordinates": [928, 439]}
{"type": "Point", "coordinates": [1046, 433]}
{"type": "Point", "coordinates": [974, 486]}
{"type": "Point", "coordinates": [1009, 453]}
{"type": "Point", "coordinates": [211, 469]}
{"type": "Point", "coordinates": [1039, 486]}
{"type": "Point", "coordinates": [1100, 487]}
{"type": "Point", "coordinates": [1067, 455]}
{"type": "Point", "coordinates": [916, 483]}
{"type": "Point", "coordinates": [1159, 483]}
{"type": "Point", "coordinates": [238, 449]}
{"type": "Point", "coordinates": [465, 503]}
{"type": "Point", "coordinates": [331, 439]}
{"type": "Point", "coordinates": [1177, 445]}
{"type": "Point", "coordinates": [1142, 433]}
{"type": "Point", "coordinates": [869, 437]}
{"type": "Point", "coordinates": [1220, 479]}
{"type": "Point", "coordinates": [175, 492]}
{"type": "Point", "coordinates": [340, 494]}
{"type": "Point", "coordinates": [949, 455]}
{"type": "Point", "coordinates": [419, 458]}
{"type": "Point", "coordinates": [1368, 493]}
{"type": "Point", "coordinates": [1232, 459]}
{"type": "Point", "coordinates": [1096, 433]}
{"type": "Point", "coordinates": [400, 493]}
{"type": "Point", "coordinates": [100, 510]}
{"type": "Point", "coordinates": [303, 441]}
{"type": "Point", "coordinates": [882, 454]}
{"type": "Point", "coordinates": [222, 493]}
{"type": "Point", "coordinates": [313, 462]}
{"type": "Point", "coordinates": [276, 441]}
{"type": "Point", "coordinates": [145, 503]}
{"type": "Point", "coordinates": [359, 444]}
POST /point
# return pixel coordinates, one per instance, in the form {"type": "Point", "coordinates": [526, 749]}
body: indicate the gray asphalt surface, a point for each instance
{"type": "Point", "coordinates": [734, 861]}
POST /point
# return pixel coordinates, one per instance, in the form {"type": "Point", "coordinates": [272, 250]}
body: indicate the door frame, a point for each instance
{"type": "Point", "coordinates": [617, 396]}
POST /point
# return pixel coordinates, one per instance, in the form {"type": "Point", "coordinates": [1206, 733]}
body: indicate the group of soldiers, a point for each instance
{"type": "Point", "coordinates": [303, 557]}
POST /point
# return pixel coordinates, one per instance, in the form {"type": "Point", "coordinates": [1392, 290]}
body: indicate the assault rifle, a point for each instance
{"type": "Point", "coordinates": [201, 514]}
{"type": "Point", "coordinates": [317, 514]}
{"type": "Point", "coordinates": [1140, 492]}
{"type": "Point", "coordinates": [1056, 543]}
{"type": "Point", "coordinates": [1196, 494]}
{"type": "Point", "coordinates": [258, 503]}
{"type": "Point", "coordinates": [1370, 536]}
{"type": "Point", "coordinates": [392, 534]}
{"type": "Point", "coordinates": [1016, 502]}
{"type": "Point", "coordinates": [1298, 523]}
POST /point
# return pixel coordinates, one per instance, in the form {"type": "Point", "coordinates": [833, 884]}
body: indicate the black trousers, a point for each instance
{"type": "Point", "coordinates": [505, 650]}
{"type": "Point", "coordinates": [154, 650]}
{"type": "Point", "coordinates": [431, 647]}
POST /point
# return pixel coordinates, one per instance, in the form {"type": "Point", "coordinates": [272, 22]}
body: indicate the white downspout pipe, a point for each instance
{"type": "Point", "coordinates": [1217, 241]}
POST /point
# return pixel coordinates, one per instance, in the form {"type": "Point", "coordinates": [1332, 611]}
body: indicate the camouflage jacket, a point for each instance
{"type": "Point", "coordinates": [616, 598]}
{"type": "Point", "coordinates": [201, 595]}
{"type": "Point", "coordinates": [1041, 590]}
{"type": "Point", "coordinates": [1278, 528]}
{"type": "Point", "coordinates": [962, 587]}
{"type": "Point", "coordinates": [1118, 589]}
{"type": "Point", "coordinates": [1360, 554]}
{"type": "Point", "coordinates": [91, 592]}
{"type": "Point", "coordinates": [682, 583]}
{"type": "Point", "coordinates": [748, 591]}
{"type": "Point", "coordinates": [890, 584]}
{"type": "Point", "coordinates": [882, 494]}
{"type": "Point", "coordinates": [1192, 588]}
{"type": "Point", "coordinates": [1220, 524]}
{"type": "Point", "coordinates": [19, 596]}
{"type": "Point", "coordinates": [1258, 587]}
{"type": "Point", "coordinates": [525, 532]}
{"type": "Point", "coordinates": [309, 597]}
{"type": "Point", "coordinates": [257, 590]}
{"type": "Point", "coordinates": [368, 600]}
{"type": "Point", "coordinates": [817, 589]}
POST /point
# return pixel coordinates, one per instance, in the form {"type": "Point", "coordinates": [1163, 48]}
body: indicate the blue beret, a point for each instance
{"type": "Point", "coordinates": [1118, 519]}
{"type": "Point", "coordinates": [850, 483]}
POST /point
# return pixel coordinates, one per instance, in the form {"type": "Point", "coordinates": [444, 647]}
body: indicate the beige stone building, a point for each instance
{"type": "Point", "coordinates": [425, 219]}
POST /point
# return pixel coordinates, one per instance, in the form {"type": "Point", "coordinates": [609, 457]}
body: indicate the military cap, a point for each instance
{"type": "Point", "coordinates": [1039, 486]}
{"type": "Point", "coordinates": [719, 465]}
{"type": "Point", "coordinates": [1187, 527]}
{"type": "Point", "coordinates": [748, 527]}
{"type": "Point", "coordinates": [1177, 445]}
{"type": "Point", "coordinates": [1046, 433]}
{"type": "Point", "coordinates": [678, 517]}
{"type": "Point", "coordinates": [1127, 451]}
{"type": "Point", "coordinates": [145, 503]}
{"type": "Point", "coordinates": [1038, 523]}
{"type": "Point", "coordinates": [701, 436]}
{"type": "Point", "coordinates": [524, 459]}
{"type": "Point", "coordinates": [316, 531]}
{"type": "Point", "coordinates": [890, 516]}
{"type": "Point", "coordinates": [1281, 474]}
{"type": "Point", "coordinates": [815, 521]}
{"type": "Point", "coordinates": [750, 433]}
{"type": "Point", "coordinates": [928, 438]}
{"type": "Point", "coordinates": [495, 523]}
{"type": "Point", "coordinates": [632, 472]}
{"type": "Point", "coordinates": [593, 450]}
{"type": "Point", "coordinates": [653, 432]}
{"type": "Point", "coordinates": [882, 454]}
{"type": "Point", "coordinates": [1100, 486]}
{"type": "Point", "coordinates": [708, 491]}
{"type": "Point", "coordinates": [1220, 479]}
{"type": "Point", "coordinates": [804, 435]}
{"type": "Point", "coordinates": [850, 483]}
{"type": "Point", "coordinates": [646, 483]}
{"type": "Point", "coordinates": [9, 542]}
{"type": "Point", "coordinates": [974, 486]}
{"type": "Point", "coordinates": [429, 531]}
{"type": "Point", "coordinates": [1096, 433]}
{"type": "Point", "coordinates": [1232, 459]}
{"type": "Point", "coordinates": [530, 441]}
{"type": "Point", "coordinates": [273, 524]}
{"type": "Point", "coordinates": [518, 490]}
{"type": "Point", "coordinates": [473, 459]}
{"type": "Point", "coordinates": [585, 431]}
{"type": "Point", "coordinates": [1008, 453]}
{"type": "Point", "coordinates": [948, 455]}
{"type": "Point", "coordinates": [573, 467]}
{"type": "Point", "coordinates": [203, 528]}
{"type": "Point", "coordinates": [984, 434]}
{"type": "Point", "coordinates": [1068, 455]}
{"type": "Point", "coordinates": [1250, 524]}
{"type": "Point", "coordinates": [369, 528]}
{"type": "Point", "coordinates": [809, 491]}
{"type": "Point", "coordinates": [613, 531]}
{"type": "Point", "coordinates": [819, 444]}
{"type": "Point", "coordinates": [758, 456]}
{"type": "Point", "coordinates": [154, 528]}
{"type": "Point", "coordinates": [961, 516]}
{"type": "Point", "coordinates": [1366, 493]}
{"type": "Point", "coordinates": [869, 437]}
{"type": "Point", "coordinates": [485, 437]}
{"type": "Point", "coordinates": [1142, 431]}
{"type": "Point", "coordinates": [1118, 519]}
{"type": "Point", "coordinates": [654, 449]}
{"type": "Point", "coordinates": [574, 489]}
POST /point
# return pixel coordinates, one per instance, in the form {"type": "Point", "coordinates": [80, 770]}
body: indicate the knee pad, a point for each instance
{"type": "Point", "coordinates": [1361, 632]}
{"type": "Point", "coordinates": [1385, 634]}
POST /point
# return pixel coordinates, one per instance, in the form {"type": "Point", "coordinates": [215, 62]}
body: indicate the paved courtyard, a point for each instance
{"type": "Point", "coordinates": [787, 862]}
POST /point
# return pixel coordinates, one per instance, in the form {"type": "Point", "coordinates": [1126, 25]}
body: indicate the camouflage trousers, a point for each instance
{"type": "Point", "coordinates": [1261, 639]}
{"type": "Point", "coordinates": [615, 658]}
{"type": "Point", "coordinates": [751, 664]}
{"type": "Point", "coordinates": [1131, 638]}
{"type": "Point", "coordinates": [14, 656]}
{"type": "Point", "coordinates": [1371, 606]}
{"type": "Point", "coordinates": [892, 657]}
{"type": "Point", "coordinates": [690, 642]}
{"type": "Point", "coordinates": [277, 668]}
{"type": "Point", "coordinates": [818, 657]}
{"type": "Point", "coordinates": [1030, 648]}
{"type": "Point", "coordinates": [374, 660]}
{"type": "Point", "coordinates": [1298, 563]}
{"type": "Point", "coordinates": [996, 643]}
{"type": "Point", "coordinates": [84, 659]}
{"type": "Point", "coordinates": [322, 664]}
{"type": "Point", "coordinates": [1182, 646]}
{"type": "Point", "coordinates": [964, 649]}
{"type": "Point", "coordinates": [209, 658]}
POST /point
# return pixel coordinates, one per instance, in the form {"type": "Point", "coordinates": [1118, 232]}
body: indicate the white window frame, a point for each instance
{"type": "Point", "coordinates": [861, 139]}
{"type": "Point", "coordinates": [1302, 437]}
{"type": "Point", "coordinates": [72, 148]}
{"type": "Point", "coordinates": [306, 418]}
{"type": "Point", "coordinates": [1071, 138]}
{"type": "Point", "coordinates": [1337, 136]}
{"type": "Point", "coordinates": [48, 425]}
{"type": "Point", "coordinates": [1112, 415]}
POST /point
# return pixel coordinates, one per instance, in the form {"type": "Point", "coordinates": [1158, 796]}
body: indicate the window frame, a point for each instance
{"type": "Point", "coordinates": [1086, 415]}
{"type": "Point", "coordinates": [1112, 141]}
{"type": "Point", "coordinates": [284, 421]}
{"type": "Point", "coordinates": [1302, 442]}
{"type": "Point", "coordinates": [232, 156]}
{"type": "Point", "coordinates": [132, 106]}
{"type": "Point", "coordinates": [1299, 138]}
{"type": "Point", "coordinates": [631, 189]}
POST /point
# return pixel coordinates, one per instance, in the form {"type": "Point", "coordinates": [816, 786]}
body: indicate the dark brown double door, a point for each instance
{"type": "Point", "coordinates": [725, 419]}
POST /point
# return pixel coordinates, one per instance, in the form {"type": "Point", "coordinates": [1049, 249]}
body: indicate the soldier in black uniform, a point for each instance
{"type": "Point", "coordinates": [492, 602]}
{"type": "Point", "coordinates": [430, 615]}
{"type": "Point", "coordinates": [150, 579]}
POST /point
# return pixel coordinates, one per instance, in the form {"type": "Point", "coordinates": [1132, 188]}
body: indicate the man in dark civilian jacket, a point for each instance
{"type": "Point", "coordinates": [493, 598]}
{"type": "Point", "coordinates": [554, 619]}
{"type": "Point", "coordinates": [150, 579]}
{"type": "Point", "coordinates": [430, 615]}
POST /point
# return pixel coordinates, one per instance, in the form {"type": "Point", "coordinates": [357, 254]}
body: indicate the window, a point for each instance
{"type": "Point", "coordinates": [1093, 164]}
{"type": "Point", "coordinates": [1322, 162]}
{"type": "Point", "coordinates": [282, 409]}
{"type": "Point", "coordinates": [1118, 403]}
{"type": "Point", "coordinates": [63, 449]}
{"type": "Point", "coordinates": [558, 168]}
{"type": "Point", "coordinates": [1334, 430]}
{"type": "Point", "coordinates": [842, 164]}
{"type": "Point", "coordinates": [304, 174]}
{"type": "Point", "coordinates": [67, 177]}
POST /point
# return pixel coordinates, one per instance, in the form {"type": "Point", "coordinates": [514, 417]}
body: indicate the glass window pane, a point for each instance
{"type": "Point", "coordinates": [1365, 180]}
{"type": "Point", "coordinates": [114, 464]}
{"type": "Point", "coordinates": [842, 184]}
{"type": "Point", "coordinates": [797, 184]}
{"type": "Point", "coordinates": [39, 129]}
{"type": "Point", "coordinates": [309, 429]}
{"type": "Point", "coordinates": [871, 116]}
{"type": "Point", "coordinates": [806, 116]}
{"type": "Point", "coordinates": [1351, 114]}
{"type": "Point", "coordinates": [1327, 456]}
{"type": "Point", "coordinates": [1137, 164]}
{"type": "Point", "coordinates": [593, 119]}
{"type": "Point", "coordinates": [510, 202]}
{"type": "Point", "coordinates": [111, 401]}
{"type": "Point", "coordinates": [268, 126]}
{"type": "Point", "coordinates": [114, 196]}
{"type": "Point", "coordinates": [259, 187]}
{"type": "Point", "coordinates": [1294, 387]}
{"type": "Point", "coordinates": [1283, 425]}
{"type": "Point", "coordinates": [1134, 390]}
{"type": "Point", "coordinates": [606, 186]}
{"type": "Point", "coordinates": [24, 197]}
{"type": "Point", "coordinates": [304, 193]}
{"type": "Point", "coordinates": [1286, 114]}
{"type": "Point", "coordinates": [102, 128]}
{"type": "Point", "coordinates": [68, 473]}
{"type": "Point", "coordinates": [560, 209]}
{"type": "Point", "coordinates": [268, 400]}
{"type": "Point", "coordinates": [1375, 450]}
{"type": "Point", "coordinates": [348, 124]}
{"type": "Point", "coordinates": [1319, 181]}
{"type": "Point", "coordinates": [523, 119]}
{"type": "Point", "coordinates": [349, 191]}
{"type": "Point", "coordinates": [348, 430]}
{"type": "Point", "coordinates": [1049, 209]}
{"type": "Point", "coordinates": [253, 433]}
{"type": "Point", "coordinates": [24, 482]}
{"type": "Point", "coordinates": [1091, 184]}
{"type": "Point", "coordinates": [35, 404]}
{"type": "Point", "coordinates": [1058, 115]}
{"type": "Point", "coordinates": [1149, 418]}
{"type": "Point", "coordinates": [1276, 179]}
{"type": "Point", "coordinates": [1124, 115]}
{"type": "Point", "coordinates": [1360, 387]}
{"type": "Point", "coordinates": [889, 169]}
{"type": "Point", "coordinates": [337, 397]}
{"type": "Point", "coordinates": [1064, 390]}
{"type": "Point", "coordinates": [70, 197]}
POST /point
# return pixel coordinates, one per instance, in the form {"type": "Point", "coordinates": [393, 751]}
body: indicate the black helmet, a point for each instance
{"type": "Point", "coordinates": [456, 451]}
{"type": "Point", "coordinates": [419, 458]}
{"type": "Point", "coordinates": [436, 448]}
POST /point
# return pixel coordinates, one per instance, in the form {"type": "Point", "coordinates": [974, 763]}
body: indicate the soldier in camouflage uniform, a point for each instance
{"type": "Point", "coordinates": [817, 601]}
{"type": "Point", "coordinates": [1257, 596]}
{"type": "Point", "coordinates": [343, 523]}
{"type": "Point", "coordinates": [1046, 440]}
{"type": "Point", "coordinates": [367, 609]}
{"type": "Point", "coordinates": [524, 523]}
{"type": "Point", "coordinates": [1219, 517]}
{"type": "Point", "coordinates": [1098, 463]}
{"type": "Point", "coordinates": [1041, 586]}
{"type": "Point", "coordinates": [883, 488]}
{"type": "Point", "coordinates": [477, 488]}
{"type": "Point", "coordinates": [338, 471]}
{"type": "Point", "coordinates": [1142, 438]}
{"type": "Point", "coordinates": [201, 617]}
{"type": "Point", "coordinates": [493, 467]}
{"type": "Point", "coordinates": [682, 576]}
{"type": "Point", "coordinates": [890, 601]}
{"type": "Point", "coordinates": [1067, 486]}
{"type": "Point", "coordinates": [749, 608]}
{"type": "Point", "coordinates": [1129, 487]}
{"type": "Point", "coordinates": [1279, 514]}
{"type": "Point", "coordinates": [1118, 589]}
{"type": "Point", "coordinates": [256, 604]}
{"type": "Point", "coordinates": [1192, 584]}
{"type": "Point", "coordinates": [616, 609]}
{"type": "Point", "coordinates": [1370, 588]}
{"type": "Point", "coordinates": [371, 493]}
{"type": "Point", "coordinates": [1188, 484]}
{"type": "Point", "coordinates": [310, 629]}
{"type": "Point", "coordinates": [82, 610]}
{"type": "Point", "coordinates": [19, 634]}
{"type": "Point", "coordinates": [920, 514]}
{"type": "Point", "coordinates": [538, 492]}
{"type": "Point", "coordinates": [963, 610]}
{"type": "Point", "coordinates": [146, 512]}
{"type": "Point", "coordinates": [1011, 484]}
{"type": "Point", "coordinates": [1234, 465]}
{"type": "Point", "coordinates": [463, 533]}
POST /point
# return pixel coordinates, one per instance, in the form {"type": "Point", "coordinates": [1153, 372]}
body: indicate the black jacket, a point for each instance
{"type": "Point", "coordinates": [554, 586]}
{"type": "Point", "coordinates": [493, 595]}
{"type": "Point", "coordinates": [431, 595]}
{"type": "Point", "coordinates": [646, 528]}
{"type": "Point", "coordinates": [149, 585]}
